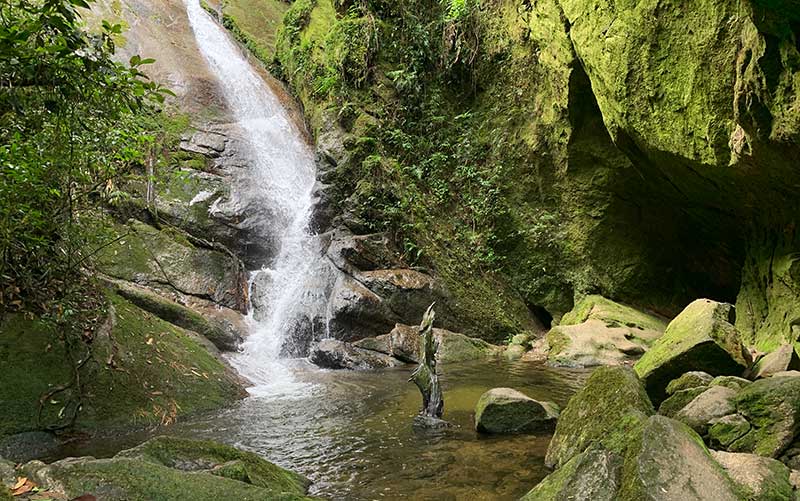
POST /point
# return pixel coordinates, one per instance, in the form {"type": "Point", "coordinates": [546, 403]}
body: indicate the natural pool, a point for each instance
{"type": "Point", "coordinates": [351, 433]}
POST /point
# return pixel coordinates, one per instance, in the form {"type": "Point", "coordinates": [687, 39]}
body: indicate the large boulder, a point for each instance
{"type": "Point", "coordinates": [705, 408]}
{"type": "Point", "coordinates": [403, 343]}
{"type": "Point", "coordinates": [782, 359]}
{"type": "Point", "coordinates": [599, 331]}
{"type": "Point", "coordinates": [608, 410]}
{"type": "Point", "coordinates": [692, 379]}
{"type": "Point", "coordinates": [667, 461]}
{"type": "Point", "coordinates": [701, 338]}
{"type": "Point", "coordinates": [591, 475]}
{"type": "Point", "coordinates": [763, 479]}
{"type": "Point", "coordinates": [505, 410]}
{"type": "Point", "coordinates": [335, 354]}
{"type": "Point", "coordinates": [170, 469]}
{"type": "Point", "coordinates": [772, 407]}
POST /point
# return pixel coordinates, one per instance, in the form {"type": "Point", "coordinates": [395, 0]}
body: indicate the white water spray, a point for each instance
{"type": "Point", "coordinates": [281, 170]}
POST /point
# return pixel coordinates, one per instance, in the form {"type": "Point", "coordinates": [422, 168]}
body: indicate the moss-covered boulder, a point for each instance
{"type": "Point", "coordinates": [701, 338]}
{"type": "Point", "coordinates": [784, 358]}
{"type": "Point", "coordinates": [667, 460]}
{"type": "Point", "coordinates": [171, 469]}
{"type": "Point", "coordinates": [726, 430]}
{"type": "Point", "coordinates": [141, 370]}
{"type": "Point", "coordinates": [761, 479]}
{"type": "Point", "coordinates": [691, 379]}
{"type": "Point", "coordinates": [598, 331]}
{"type": "Point", "coordinates": [613, 314]}
{"type": "Point", "coordinates": [608, 410]}
{"type": "Point", "coordinates": [592, 475]}
{"type": "Point", "coordinates": [733, 382]}
{"type": "Point", "coordinates": [678, 400]}
{"type": "Point", "coordinates": [772, 406]}
{"type": "Point", "coordinates": [705, 408]}
{"type": "Point", "coordinates": [505, 410]}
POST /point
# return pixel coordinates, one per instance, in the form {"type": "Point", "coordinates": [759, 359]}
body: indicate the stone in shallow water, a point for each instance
{"type": "Point", "coordinates": [335, 354]}
{"type": "Point", "coordinates": [505, 410]}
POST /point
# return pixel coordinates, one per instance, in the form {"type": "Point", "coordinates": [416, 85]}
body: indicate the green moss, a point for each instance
{"type": "Point", "coordinates": [689, 380]}
{"type": "Point", "coordinates": [143, 371]}
{"type": "Point", "coordinates": [609, 409]}
{"type": "Point", "coordinates": [678, 400]}
{"type": "Point", "coordinates": [255, 24]}
{"type": "Point", "coordinates": [770, 405]}
{"type": "Point", "coordinates": [246, 466]}
{"type": "Point", "coordinates": [557, 341]}
{"type": "Point", "coordinates": [614, 314]}
{"type": "Point", "coordinates": [123, 479]}
{"type": "Point", "coordinates": [727, 430]}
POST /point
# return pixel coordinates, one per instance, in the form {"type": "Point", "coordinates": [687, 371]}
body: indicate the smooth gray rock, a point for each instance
{"type": "Point", "coordinates": [336, 354]}
{"type": "Point", "coordinates": [712, 404]}
{"type": "Point", "coordinates": [506, 410]}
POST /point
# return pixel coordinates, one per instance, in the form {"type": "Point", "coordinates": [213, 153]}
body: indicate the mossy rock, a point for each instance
{"type": "Point", "coordinates": [667, 460]}
{"type": "Point", "coordinates": [142, 371]}
{"type": "Point", "coordinates": [760, 478]}
{"type": "Point", "coordinates": [692, 379]}
{"type": "Point", "coordinates": [613, 314]}
{"type": "Point", "coordinates": [772, 406]}
{"type": "Point", "coordinates": [505, 410]}
{"type": "Point", "coordinates": [219, 459]}
{"type": "Point", "coordinates": [732, 382]}
{"type": "Point", "coordinates": [701, 338]}
{"type": "Point", "coordinates": [592, 475]}
{"type": "Point", "coordinates": [131, 479]}
{"type": "Point", "coordinates": [714, 403]}
{"type": "Point", "coordinates": [679, 400]}
{"type": "Point", "coordinates": [726, 430]}
{"type": "Point", "coordinates": [607, 410]}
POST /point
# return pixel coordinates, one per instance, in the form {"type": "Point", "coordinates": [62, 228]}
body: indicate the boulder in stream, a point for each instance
{"type": "Point", "coordinates": [335, 354]}
{"type": "Point", "coordinates": [701, 338]}
{"type": "Point", "coordinates": [505, 410]}
{"type": "Point", "coordinates": [591, 475]}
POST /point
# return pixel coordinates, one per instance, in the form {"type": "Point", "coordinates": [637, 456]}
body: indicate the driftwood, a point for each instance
{"type": "Point", "coordinates": [425, 376]}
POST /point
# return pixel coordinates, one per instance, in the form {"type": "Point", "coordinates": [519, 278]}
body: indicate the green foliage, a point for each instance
{"type": "Point", "coordinates": [73, 121]}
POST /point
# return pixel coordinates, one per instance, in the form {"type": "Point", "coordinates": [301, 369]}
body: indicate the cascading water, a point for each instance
{"type": "Point", "coordinates": [282, 173]}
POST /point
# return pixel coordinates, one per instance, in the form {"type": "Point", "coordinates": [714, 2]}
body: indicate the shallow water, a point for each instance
{"type": "Point", "coordinates": [351, 433]}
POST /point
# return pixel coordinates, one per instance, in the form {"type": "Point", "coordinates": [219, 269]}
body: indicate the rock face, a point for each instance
{"type": "Point", "coordinates": [763, 479]}
{"type": "Point", "coordinates": [701, 338]}
{"type": "Point", "coordinates": [593, 474]}
{"type": "Point", "coordinates": [171, 469]}
{"type": "Point", "coordinates": [607, 410]}
{"type": "Point", "coordinates": [403, 343]}
{"type": "Point", "coordinates": [782, 359]}
{"type": "Point", "coordinates": [772, 406]}
{"type": "Point", "coordinates": [505, 410]}
{"type": "Point", "coordinates": [335, 354]}
{"type": "Point", "coordinates": [668, 461]}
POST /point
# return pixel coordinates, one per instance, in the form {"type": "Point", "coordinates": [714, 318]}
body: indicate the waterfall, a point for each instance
{"type": "Point", "coordinates": [281, 171]}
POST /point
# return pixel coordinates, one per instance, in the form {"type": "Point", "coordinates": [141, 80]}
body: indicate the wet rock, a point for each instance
{"type": "Point", "coordinates": [763, 479]}
{"type": "Point", "coordinates": [609, 409]}
{"type": "Point", "coordinates": [404, 342]}
{"type": "Point", "coordinates": [505, 410]}
{"type": "Point", "coordinates": [21, 447]}
{"type": "Point", "coordinates": [591, 475]}
{"type": "Point", "coordinates": [357, 312]}
{"type": "Point", "coordinates": [613, 314]}
{"type": "Point", "coordinates": [421, 422]}
{"type": "Point", "coordinates": [206, 143]}
{"type": "Point", "coordinates": [727, 429]}
{"type": "Point", "coordinates": [772, 406]}
{"type": "Point", "coordinates": [362, 252]}
{"type": "Point", "coordinates": [692, 379]}
{"type": "Point", "coordinates": [668, 461]}
{"type": "Point", "coordinates": [335, 354]}
{"type": "Point", "coordinates": [259, 290]}
{"type": "Point", "coordinates": [514, 351]}
{"type": "Point", "coordinates": [171, 468]}
{"type": "Point", "coordinates": [782, 359]}
{"type": "Point", "coordinates": [701, 338]}
{"type": "Point", "coordinates": [708, 406]}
